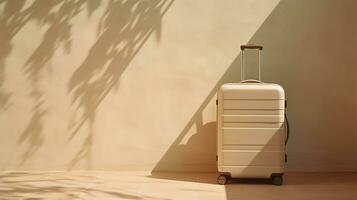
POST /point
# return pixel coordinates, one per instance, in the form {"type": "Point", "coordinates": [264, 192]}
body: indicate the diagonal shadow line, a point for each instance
{"type": "Point", "coordinates": [232, 74]}
{"type": "Point", "coordinates": [272, 32]}
{"type": "Point", "coordinates": [130, 59]}
{"type": "Point", "coordinates": [228, 76]}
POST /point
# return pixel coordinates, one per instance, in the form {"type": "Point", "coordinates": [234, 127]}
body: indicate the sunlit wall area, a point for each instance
{"type": "Point", "coordinates": [131, 85]}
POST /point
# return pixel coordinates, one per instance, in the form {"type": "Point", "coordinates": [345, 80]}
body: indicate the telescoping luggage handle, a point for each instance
{"type": "Point", "coordinates": [252, 46]}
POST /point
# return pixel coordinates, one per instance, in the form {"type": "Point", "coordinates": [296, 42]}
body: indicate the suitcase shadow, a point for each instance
{"type": "Point", "coordinates": [250, 181]}
{"type": "Point", "coordinates": [208, 178]}
{"type": "Point", "coordinates": [191, 152]}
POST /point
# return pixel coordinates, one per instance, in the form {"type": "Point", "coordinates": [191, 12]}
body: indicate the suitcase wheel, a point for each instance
{"type": "Point", "coordinates": [277, 180]}
{"type": "Point", "coordinates": [223, 179]}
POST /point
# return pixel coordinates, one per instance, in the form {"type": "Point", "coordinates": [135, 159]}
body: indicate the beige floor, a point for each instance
{"type": "Point", "coordinates": [167, 186]}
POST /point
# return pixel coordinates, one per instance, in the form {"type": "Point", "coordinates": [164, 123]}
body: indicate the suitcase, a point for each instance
{"type": "Point", "coordinates": [252, 128]}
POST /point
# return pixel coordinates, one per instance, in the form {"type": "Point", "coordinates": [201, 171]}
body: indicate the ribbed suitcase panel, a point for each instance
{"type": "Point", "coordinates": [254, 104]}
{"type": "Point", "coordinates": [251, 130]}
{"type": "Point", "coordinates": [252, 171]}
{"type": "Point", "coordinates": [253, 112]}
{"type": "Point", "coordinates": [253, 158]}
{"type": "Point", "coordinates": [253, 118]}
{"type": "Point", "coordinates": [251, 125]}
{"type": "Point", "coordinates": [253, 136]}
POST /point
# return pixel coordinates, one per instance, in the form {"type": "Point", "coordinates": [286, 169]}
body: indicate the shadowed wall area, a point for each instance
{"type": "Point", "coordinates": [131, 84]}
{"type": "Point", "coordinates": [306, 54]}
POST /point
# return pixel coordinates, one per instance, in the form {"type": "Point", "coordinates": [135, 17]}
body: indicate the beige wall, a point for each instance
{"type": "Point", "coordinates": [123, 85]}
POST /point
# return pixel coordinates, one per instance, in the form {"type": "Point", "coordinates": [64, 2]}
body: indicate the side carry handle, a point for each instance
{"type": "Point", "coordinates": [252, 46]}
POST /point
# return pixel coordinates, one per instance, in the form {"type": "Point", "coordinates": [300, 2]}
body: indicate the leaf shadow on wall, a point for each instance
{"type": "Point", "coordinates": [57, 15]}
{"type": "Point", "coordinates": [122, 31]}
{"type": "Point", "coordinates": [11, 21]}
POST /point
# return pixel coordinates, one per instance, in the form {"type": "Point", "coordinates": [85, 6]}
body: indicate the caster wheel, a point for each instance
{"type": "Point", "coordinates": [222, 179]}
{"type": "Point", "coordinates": [277, 180]}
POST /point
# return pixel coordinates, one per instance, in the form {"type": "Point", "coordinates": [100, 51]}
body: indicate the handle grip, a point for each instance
{"type": "Point", "coordinates": [251, 46]}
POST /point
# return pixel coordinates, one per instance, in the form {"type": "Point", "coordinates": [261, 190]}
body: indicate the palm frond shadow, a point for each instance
{"type": "Point", "coordinates": [123, 29]}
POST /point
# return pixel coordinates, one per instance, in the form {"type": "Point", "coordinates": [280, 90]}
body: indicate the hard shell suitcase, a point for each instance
{"type": "Point", "coordinates": [251, 127]}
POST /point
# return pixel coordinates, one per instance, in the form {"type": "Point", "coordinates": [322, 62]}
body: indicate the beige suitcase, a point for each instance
{"type": "Point", "coordinates": [252, 132]}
